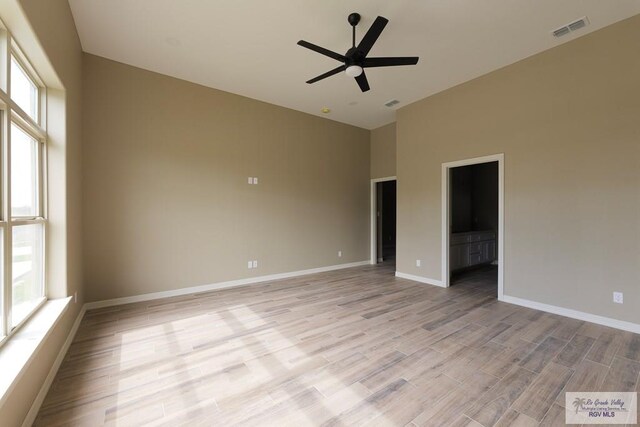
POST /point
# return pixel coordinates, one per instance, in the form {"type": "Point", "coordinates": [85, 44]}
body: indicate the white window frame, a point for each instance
{"type": "Point", "coordinates": [12, 113]}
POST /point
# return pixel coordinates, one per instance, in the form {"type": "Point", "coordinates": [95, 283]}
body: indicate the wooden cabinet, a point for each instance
{"type": "Point", "coordinates": [472, 248]}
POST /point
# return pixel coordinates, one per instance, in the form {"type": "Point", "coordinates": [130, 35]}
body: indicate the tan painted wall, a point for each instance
{"type": "Point", "coordinates": [53, 24]}
{"type": "Point", "coordinates": [568, 123]}
{"type": "Point", "coordinates": [383, 151]}
{"type": "Point", "coordinates": [166, 199]}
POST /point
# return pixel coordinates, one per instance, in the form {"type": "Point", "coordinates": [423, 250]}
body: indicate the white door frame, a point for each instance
{"type": "Point", "coordinates": [374, 217]}
{"type": "Point", "coordinates": [446, 206]}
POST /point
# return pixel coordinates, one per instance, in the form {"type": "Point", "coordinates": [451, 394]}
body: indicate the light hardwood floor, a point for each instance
{"type": "Point", "coordinates": [348, 347]}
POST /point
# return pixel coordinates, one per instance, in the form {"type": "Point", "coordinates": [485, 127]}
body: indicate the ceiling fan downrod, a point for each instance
{"type": "Point", "coordinates": [353, 19]}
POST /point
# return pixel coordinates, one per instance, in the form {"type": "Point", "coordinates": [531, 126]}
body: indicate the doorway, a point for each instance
{"type": "Point", "coordinates": [473, 223]}
{"type": "Point", "coordinates": [383, 220]}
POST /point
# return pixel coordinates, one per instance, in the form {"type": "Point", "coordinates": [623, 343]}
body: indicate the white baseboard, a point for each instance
{"type": "Point", "coordinates": [420, 279]}
{"type": "Point", "coordinates": [216, 286]}
{"type": "Point", "coordinates": [574, 314]}
{"type": "Point", "coordinates": [37, 403]}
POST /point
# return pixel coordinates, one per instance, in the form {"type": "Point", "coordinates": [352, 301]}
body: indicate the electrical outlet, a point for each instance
{"type": "Point", "coordinates": [618, 297]}
{"type": "Point", "coordinates": [255, 180]}
{"type": "Point", "coordinates": [255, 264]}
{"type": "Point", "coordinates": [418, 263]}
{"type": "Point", "coordinates": [339, 254]}
{"type": "Point", "coordinates": [249, 264]}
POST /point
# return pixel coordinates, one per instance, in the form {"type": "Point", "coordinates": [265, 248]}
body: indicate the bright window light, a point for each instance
{"type": "Point", "coordinates": [23, 90]}
{"type": "Point", "coordinates": [27, 270]}
{"type": "Point", "coordinates": [24, 174]}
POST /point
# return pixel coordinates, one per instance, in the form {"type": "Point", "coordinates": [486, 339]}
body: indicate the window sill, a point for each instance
{"type": "Point", "coordinates": [20, 349]}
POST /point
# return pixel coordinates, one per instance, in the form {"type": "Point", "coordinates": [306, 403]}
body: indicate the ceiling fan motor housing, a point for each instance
{"type": "Point", "coordinates": [354, 57]}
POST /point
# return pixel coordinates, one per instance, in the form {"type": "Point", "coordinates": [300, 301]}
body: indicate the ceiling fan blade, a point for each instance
{"type": "Point", "coordinates": [372, 35]}
{"type": "Point", "coordinates": [323, 51]}
{"type": "Point", "coordinates": [390, 62]}
{"type": "Point", "coordinates": [362, 82]}
{"type": "Point", "coordinates": [327, 74]}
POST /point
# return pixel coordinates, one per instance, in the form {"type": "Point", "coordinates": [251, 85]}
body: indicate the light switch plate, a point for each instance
{"type": "Point", "coordinates": [255, 180]}
{"type": "Point", "coordinates": [339, 254]}
{"type": "Point", "coordinates": [418, 263]}
{"type": "Point", "coordinates": [255, 264]}
{"type": "Point", "coordinates": [250, 180]}
{"type": "Point", "coordinates": [249, 264]}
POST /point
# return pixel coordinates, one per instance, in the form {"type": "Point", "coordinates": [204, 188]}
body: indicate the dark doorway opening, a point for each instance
{"type": "Point", "coordinates": [473, 251]}
{"type": "Point", "coordinates": [386, 223]}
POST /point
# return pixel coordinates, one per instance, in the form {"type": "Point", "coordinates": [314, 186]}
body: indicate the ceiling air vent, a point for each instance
{"type": "Point", "coordinates": [573, 26]}
{"type": "Point", "coordinates": [580, 23]}
{"type": "Point", "coordinates": [391, 103]}
{"type": "Point", "coordinates": [561, 31]}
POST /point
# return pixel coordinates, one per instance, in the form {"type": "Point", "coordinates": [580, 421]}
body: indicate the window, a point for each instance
{"type": "Point", "coordinates": [24, 174]}
{"type": "Point", "coordinates": [23, 215]}
{"type": "Point", "coordinates": [27, 270]}
{"type": "Point", "coordinates": [23, 90]}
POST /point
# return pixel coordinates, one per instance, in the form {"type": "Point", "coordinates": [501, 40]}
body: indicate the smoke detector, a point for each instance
{"type": "Point", "coordinates": [572, 26]}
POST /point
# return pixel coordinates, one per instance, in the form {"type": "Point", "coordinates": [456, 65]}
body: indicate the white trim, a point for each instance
{"type": "Point", "coordinates": [420, 279]}
{"type": "Point", "coordinates": [37, 403]}
{"type": "Point", "coordinates": [446, 200]}
{"type": "Point", "coordinates": [19, 352]}
{"type": "Point", "coordinates": [574, 314]}
{"type": "Point", "coordinates": [374, 219]}
{"type": "Point", "coordinates": [216, 286]}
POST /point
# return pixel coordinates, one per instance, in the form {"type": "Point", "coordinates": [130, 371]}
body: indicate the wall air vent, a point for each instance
{"type": "Point", "coordinates": [391, 103]}
{"type": "Point", "coordinates": [573, 26]}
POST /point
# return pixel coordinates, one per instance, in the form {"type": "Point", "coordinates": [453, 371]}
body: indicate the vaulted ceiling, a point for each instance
{"type": "Point", "coordinates": [248, 47]}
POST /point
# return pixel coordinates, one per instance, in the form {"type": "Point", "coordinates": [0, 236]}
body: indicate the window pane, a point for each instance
{"type": "Point", "coordinates": [27, 269]}
{"type": "Point", "coordinates": [24, 174]}
{"type": "Point", "coordinates": [23, 91]}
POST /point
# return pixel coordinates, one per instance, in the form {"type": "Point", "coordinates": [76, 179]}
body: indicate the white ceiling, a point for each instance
{"type": "Point", "coordinates": [248, 47]}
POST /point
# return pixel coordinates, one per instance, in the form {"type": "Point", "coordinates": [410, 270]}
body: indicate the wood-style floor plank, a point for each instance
{"type": "Point", "coordinates": [351, 347]}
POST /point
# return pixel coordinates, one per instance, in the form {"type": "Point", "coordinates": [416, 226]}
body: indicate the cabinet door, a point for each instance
{"type": "Point", "coordinates": [454, 257]}
{"type": "Point", "coordinates": [458, 257]}
{"type": "Point", "coordinates": [475, 248]}
{"type": "Point", "coordinates": [475, 259]}
{"type": "Point", "coordinates": [488, 251]}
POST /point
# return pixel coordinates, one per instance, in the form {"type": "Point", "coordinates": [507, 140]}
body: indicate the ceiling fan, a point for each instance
{"type": "Point", "coordinates": [355, 60]}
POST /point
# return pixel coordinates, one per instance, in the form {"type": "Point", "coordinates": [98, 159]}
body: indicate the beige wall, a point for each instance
{"type": "Point", "coordinates": [166, 199]}
{"type": "Point", "coordinates": [383, 151]}
{"type": "Point", "coordinates": [61, 62]}
{"type": "Point", "coordinates": [568, 123]}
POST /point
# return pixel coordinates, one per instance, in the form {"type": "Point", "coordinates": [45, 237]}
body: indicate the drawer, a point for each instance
{"type": "Point", "coordinates": [475, 248]}
{"type": "Point", "coordinates": [487, 236]}
{"type": "Point", "coordinates": [458, 240]}
{"type": "Point", "coordinates": [475, 237]}
{"type": "Point", "coordinates": [475, 259]}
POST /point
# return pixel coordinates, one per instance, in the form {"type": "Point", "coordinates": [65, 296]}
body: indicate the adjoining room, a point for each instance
{"type": "Point", "coordinates": [473, 251]}
{"type": "Point", "coordinates": [384, 239]}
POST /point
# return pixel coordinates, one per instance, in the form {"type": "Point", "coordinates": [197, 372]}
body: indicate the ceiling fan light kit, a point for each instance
{"type": "Point", "coordinates": [355, 59]}
{"type": "Point", "coordinates": [353, 70]}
